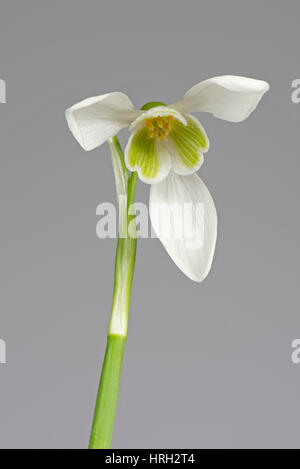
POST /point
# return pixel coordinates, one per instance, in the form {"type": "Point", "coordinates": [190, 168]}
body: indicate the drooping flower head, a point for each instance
{"type": "Point", "coordinates": [166, 146]}
{"type": "Point", "coordinates": [162, 139]}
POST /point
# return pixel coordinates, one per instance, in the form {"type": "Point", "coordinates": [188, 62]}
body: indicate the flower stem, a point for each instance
{"type": "Point", "coordinates": [107, 397]}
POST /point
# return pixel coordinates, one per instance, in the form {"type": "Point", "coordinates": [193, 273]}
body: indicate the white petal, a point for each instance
{"type": "Point", "coordinates": [187, 145]}
{"type": "Point", "coordinates": [178, 165]}
{"type": "Point", "coordinates": [184, 217]}
{"type": "Point", "coordinates": [227, 97]}
{"type": "Point", "coordinates": [148, 156]}
{"type": "Point", "coordinates": [94, 120]}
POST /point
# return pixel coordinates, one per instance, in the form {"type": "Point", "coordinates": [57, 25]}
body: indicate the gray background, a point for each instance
{"type": "Point", "coordinates": [207, 365]}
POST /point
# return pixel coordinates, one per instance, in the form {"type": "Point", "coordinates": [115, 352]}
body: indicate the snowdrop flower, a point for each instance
{"type": "Point", "coordinates": [166, 147]}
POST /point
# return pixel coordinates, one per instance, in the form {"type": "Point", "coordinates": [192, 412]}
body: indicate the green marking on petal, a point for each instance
{"type": "Point", "coordinates": [191, 131]}
{"type": "Point", "coordinates": [190, 141]}
{"type": "Point", "coordinates": [143, 154]}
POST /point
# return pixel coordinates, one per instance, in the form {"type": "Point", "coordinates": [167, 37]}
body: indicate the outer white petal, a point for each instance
{"type": "Point", "coordinates": [174, 203]}
{"type": "Point", "coordinates": [94, 120]}
{"type": "Point", "coordinates": [227, 97]}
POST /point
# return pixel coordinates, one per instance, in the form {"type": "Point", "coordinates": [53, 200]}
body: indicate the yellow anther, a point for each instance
{"type": "Point", "coordinates": [159, 126]}
{"type": "Point", "coordinates": [170, 118]}
{"type": "Point", "coordinates": [149, 124]}
{"type": "Point", "coordinates": [159, 121]}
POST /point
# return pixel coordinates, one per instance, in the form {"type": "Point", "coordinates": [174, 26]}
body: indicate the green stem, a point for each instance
{"type": "Point", "coordinates": [107, 397]}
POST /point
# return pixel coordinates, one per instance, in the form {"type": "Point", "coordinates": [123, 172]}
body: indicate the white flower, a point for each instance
{"type": "Point", "coordinates": [166, 147]}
